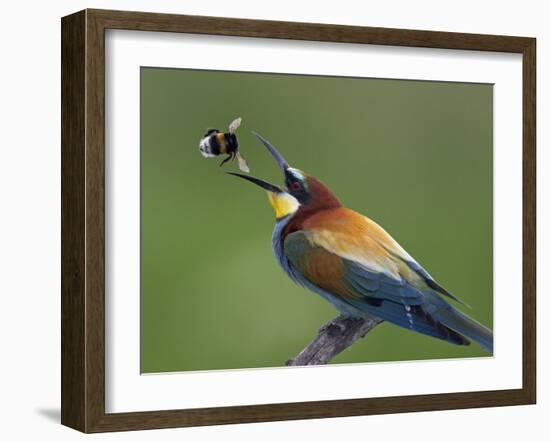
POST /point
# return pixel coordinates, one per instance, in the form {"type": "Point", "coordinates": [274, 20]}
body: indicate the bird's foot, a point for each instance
{"type": "Point", "coordinates": [332, 326]}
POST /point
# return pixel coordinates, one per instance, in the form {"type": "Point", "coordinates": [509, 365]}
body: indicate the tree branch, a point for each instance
{"type": "Point", "coordinates": [333, 338]}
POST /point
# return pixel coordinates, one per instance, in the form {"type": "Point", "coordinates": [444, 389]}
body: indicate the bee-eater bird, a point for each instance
{"type": "Point", "coordinates": [355, 264]}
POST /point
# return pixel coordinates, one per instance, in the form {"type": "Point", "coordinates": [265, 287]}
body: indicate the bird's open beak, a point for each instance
{"type": "Point", "coordinates": [283, 203]}
{"type": "Point", "coordinates": [283, 164]}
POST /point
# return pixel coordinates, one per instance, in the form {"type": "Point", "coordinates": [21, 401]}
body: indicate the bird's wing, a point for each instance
{"type": "Point", "coordinates": [353, 260]}
{"type": "Point", "coordinates": [361, 240]}
{"type": "Point", "coordinates": [346, 276]}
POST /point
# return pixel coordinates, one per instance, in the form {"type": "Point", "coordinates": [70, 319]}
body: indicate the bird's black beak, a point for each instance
{"type": "Point", "coordinates": [263, 184]}
{"type": "Point", "coordinates": [283, 164]}
{"type": "Point", "coordinates": [284, 204]}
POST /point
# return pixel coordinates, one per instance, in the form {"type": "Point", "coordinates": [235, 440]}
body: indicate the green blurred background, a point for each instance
{"type": "Point", "coordinates": [414, 156]}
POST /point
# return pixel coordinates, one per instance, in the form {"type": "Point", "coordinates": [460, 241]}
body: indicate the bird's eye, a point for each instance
{"type": "Point", "coordinates": [296, 185]}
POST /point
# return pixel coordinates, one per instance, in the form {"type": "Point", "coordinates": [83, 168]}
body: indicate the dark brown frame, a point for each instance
{"type": "Point", "coordinates": [83, 215]}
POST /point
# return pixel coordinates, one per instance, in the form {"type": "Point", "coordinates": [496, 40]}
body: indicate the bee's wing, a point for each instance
{"type": "Point", "coordinates": [242, 163]}
{"type": "Point", "coordinates": [235, 125]}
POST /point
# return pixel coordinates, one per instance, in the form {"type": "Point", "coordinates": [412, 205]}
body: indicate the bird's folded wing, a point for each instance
{"type": "Point", "coordinates": [375, 285]}
{"type": "Point", "coordinates": [377, 278]}
{"type": "Point", "coordinates": [369, 247]}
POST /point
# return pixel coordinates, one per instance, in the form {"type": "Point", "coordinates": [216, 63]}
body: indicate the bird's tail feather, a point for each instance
{"type": "Point", "coordinates": [459, 322]}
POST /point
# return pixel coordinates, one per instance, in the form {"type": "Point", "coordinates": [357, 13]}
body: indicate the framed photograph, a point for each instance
{"type": "Point", "coordinates": [270, 220]}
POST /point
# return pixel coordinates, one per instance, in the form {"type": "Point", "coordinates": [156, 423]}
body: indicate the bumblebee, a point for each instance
{"type": "Point", "coordinates": [215, 143]}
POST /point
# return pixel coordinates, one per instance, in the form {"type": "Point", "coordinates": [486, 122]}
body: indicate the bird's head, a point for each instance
{"type": "Point", "coordinates": [301, 193]}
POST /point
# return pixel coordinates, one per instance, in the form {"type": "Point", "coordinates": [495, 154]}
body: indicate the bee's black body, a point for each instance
{"type": "Point", "coordinates": [215, 143]}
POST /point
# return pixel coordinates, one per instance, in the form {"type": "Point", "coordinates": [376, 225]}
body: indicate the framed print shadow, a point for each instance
{"type": "Point", "coordinates": [395, 271]}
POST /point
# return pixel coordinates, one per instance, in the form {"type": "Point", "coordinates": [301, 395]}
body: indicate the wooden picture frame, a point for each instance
{"type": "Point", "coordinates": [83, 220]}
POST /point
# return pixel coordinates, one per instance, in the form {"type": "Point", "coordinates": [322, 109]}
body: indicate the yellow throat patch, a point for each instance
{"type": "Point", "coordinates": [284, 204]}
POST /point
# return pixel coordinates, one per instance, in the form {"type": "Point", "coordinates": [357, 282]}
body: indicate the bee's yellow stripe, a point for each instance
{"type": "Point", "coordinates": [221, 142]}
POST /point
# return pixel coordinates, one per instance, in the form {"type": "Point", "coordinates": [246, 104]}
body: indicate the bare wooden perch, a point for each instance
{"type": "Point", "coordinates": [333, 338]}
